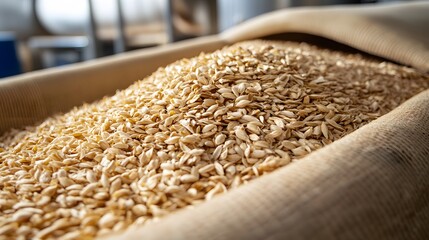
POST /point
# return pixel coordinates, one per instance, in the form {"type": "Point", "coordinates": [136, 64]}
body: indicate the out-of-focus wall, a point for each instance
{"type": "Point", "coordinates": [19, 17]}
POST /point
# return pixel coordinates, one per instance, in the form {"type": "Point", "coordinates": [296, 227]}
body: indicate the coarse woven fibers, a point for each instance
{"type": "Point", "coordinates": [192, 130]}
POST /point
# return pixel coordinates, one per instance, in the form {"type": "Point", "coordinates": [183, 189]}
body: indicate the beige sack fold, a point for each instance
{"type": "Point", "coordinates": [372, 184]}
{"type": "Point", "coordinates": [31, 97]}
{"type": "Point", "coordinates": [397, 32]}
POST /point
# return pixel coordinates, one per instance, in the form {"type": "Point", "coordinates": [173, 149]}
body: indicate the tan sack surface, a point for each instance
{"type": "Point", "coordinates": [372, 184]}
{"type": "Point", "coordinates": [395, 31]}
{"type": "Point", "coordinates": [33, 96]}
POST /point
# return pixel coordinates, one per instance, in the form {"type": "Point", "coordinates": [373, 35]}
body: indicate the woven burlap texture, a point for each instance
{"type": "Point", "coordinates": [372, 184]}
{"type": "Point", "coordinates": [31, 97]}
{"type": "Point", "coordinates": [397, 32]}
{"type": "Point", "coordinates": [393, 31]}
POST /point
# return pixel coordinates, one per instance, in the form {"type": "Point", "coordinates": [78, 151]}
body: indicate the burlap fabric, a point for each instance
{"type": "Point", "coordinates": [32, 97]}
{"type": "Point", "coordinates": [372, 184]}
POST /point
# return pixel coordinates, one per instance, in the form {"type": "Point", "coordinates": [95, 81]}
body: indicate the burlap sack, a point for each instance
{"type": "Point", "coordinates": [396, 32]}
{"type": "Point", "coordinates": [33, 96]}
{"type": "Point", "coordinates": [372, 184]}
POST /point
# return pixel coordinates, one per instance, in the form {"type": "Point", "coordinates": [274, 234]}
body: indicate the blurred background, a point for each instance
{"type": "Point", "coordinates": [37, 34]}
